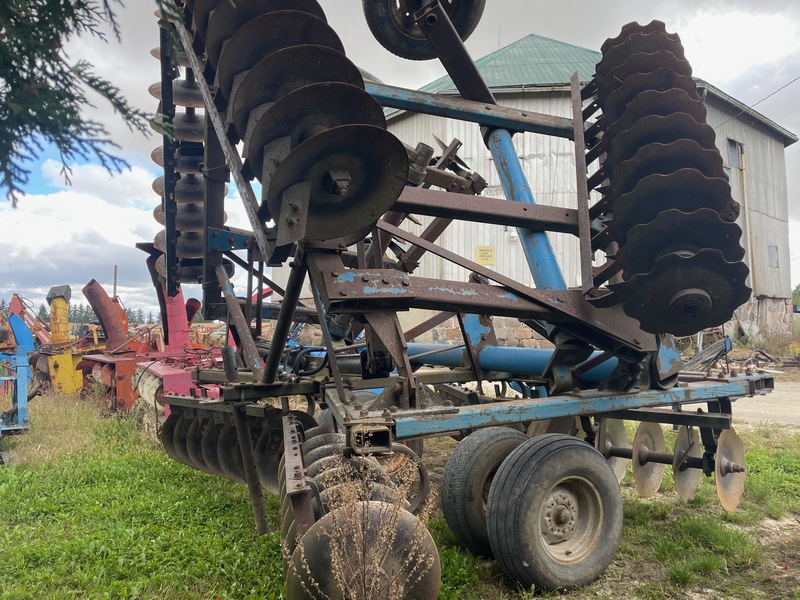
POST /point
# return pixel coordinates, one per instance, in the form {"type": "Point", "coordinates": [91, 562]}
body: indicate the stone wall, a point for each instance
{"type": "Point", "coordinates": [760, 316]}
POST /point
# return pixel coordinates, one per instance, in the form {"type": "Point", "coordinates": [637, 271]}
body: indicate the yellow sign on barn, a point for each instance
{"type": "Point", "coordinates": [484, 255]}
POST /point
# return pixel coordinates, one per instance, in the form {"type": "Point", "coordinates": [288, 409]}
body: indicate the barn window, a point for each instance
{"type": "Point", "coordinates": [773, 256]}
{"type": "Point", "coordinates": [734, 157]}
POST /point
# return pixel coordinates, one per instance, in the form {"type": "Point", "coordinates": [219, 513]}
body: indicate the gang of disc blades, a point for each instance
{"type": "Point", "coordinates": [642, 62]}
{"type": "Point", "coordinates": [687, 445]}
{"type": "Point", "coordinates": [686, 190]}
{"type": "Point", "coordinates": [660, 158]}
{"type": "Point", "coordinates": [615, 103]}
{"type": "Point", "coordinates": [648, 476]}
{"type": "Point", "coordinates": [229, 17]}
{"type": "Point", "coordinates": [730, 486]}
{"type": "Point", "coordinates": [676, 231]}
{"type": "Point", "coordinates": [283, 72]}
{"type": "Point", "coordinates": [249, 44]}
{"type": "Point", "coordinates": [309, 110]}
{"type": "Point", "coordinates": [686, 294]}
{"type": "Point", "coordinates": [376, 162]}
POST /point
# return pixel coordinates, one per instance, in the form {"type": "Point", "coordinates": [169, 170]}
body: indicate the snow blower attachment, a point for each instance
{"type": "Point", "coordinates": [534, 482]}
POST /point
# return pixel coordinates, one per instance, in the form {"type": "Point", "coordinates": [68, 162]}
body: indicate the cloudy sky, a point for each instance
{"type": "Point", "coordinates": [61, 234]}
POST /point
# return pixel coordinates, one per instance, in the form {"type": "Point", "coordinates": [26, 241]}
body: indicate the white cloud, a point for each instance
{"type": "Point", "coordinates": [131, 187]}
{"type": "Point", "coordinates": [723, 44]}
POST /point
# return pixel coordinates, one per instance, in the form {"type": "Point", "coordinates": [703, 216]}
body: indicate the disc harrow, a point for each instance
{"type": "Point", "coordinates": [535, 481]}
{"type": "Point", "coordinates": [664, 180]}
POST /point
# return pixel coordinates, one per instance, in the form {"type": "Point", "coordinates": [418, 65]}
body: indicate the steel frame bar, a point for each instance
{"type": "Point", "coordinates": [492, 116]}
{"type": "Point", "coordinates": [438, 420]}
{"type": "Point", "coordinates": [249, 467]}
{"type": "Point", "coordinates": [494, 211]}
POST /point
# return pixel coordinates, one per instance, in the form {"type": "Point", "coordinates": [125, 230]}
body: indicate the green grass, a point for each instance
{"type": "Point", "coordinates": [121, 520]}
{"type": "Point", "coordinates": [98, 512]}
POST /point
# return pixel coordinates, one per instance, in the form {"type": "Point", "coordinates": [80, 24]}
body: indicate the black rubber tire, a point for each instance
{"type": "Point", "coordinates": [465, 482]}
{"type": "Point", "coordinates": [554, 472]}
{"type": "Point", "coordinates": [411, 43]}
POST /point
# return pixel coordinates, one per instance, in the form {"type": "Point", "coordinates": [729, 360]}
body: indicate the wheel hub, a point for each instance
{"type": "Point", "coordinates": [560, 516]}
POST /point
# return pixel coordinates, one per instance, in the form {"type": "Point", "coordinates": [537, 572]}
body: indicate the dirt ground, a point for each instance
{"type": "Point", "coordinates": [779, 406]}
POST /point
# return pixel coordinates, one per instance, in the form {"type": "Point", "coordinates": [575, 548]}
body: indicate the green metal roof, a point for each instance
{"type": "Point", "coordinates": [532, 61]}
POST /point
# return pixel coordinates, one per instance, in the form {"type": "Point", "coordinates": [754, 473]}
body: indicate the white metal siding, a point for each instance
{"type": "Point", "coordinates": [761, 190]}
{"type": "Point", "coordinates": [548, 163]}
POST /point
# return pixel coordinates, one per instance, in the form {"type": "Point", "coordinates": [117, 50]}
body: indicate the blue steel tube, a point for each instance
{"type": "Point", "coordinates": [535, 244]}
{"type": "Point", "coordinates": [523, 361]}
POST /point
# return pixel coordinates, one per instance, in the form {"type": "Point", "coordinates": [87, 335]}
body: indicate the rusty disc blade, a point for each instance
{"type": "Point", "coordinates": [376, 162]}
{"type": "Point", "coordinates": [184, 93]}
{"type": "Point", "coordinates": [648, 476]}
{"type": "Point", "coordinates": [676, 231]}
{"type": "Point", "coordinates": [730, 484]}
{"type": "Point", "coordinates": [229, 17]}
{"type": "Point", "coordinates": [616, 435]}
{"type": "Point", "coordinates": [285, 71]}
{"type": "Point", "coordinates": [686, 294]}
{"type": "Point", "coordinates": [180, 59]}
{"type": "Point", "coordinates": [185, 127]}
{"type": "Point", "coordinates": [287, 28]}
{"type": "Point", "coordinates": [307, 111]}
{"type": "Point", "coordinates": [660, 158]}
{"type": "Point", "coordinates": [686, 190]}
{"type": "Point", "coordinates": [687, 480]}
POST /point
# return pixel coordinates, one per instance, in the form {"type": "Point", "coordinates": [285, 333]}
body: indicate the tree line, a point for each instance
{"type": "Point", "coordinates": [83, 313]}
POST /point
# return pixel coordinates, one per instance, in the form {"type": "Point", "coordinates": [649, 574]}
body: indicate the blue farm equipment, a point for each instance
{"type": "Point", "coordinates": [534, 482]}
{"type": "Point", "coordinates": [16, 342]}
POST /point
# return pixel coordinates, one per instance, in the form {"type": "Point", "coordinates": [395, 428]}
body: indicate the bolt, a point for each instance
{"type": "Point", "coordinates": [364, 278]}
{"type": "Point", "coordinates": [290, 221]}
{"type": "Point", "coordinates": [386, 280]}
{"type": "Point", "coordinates": [334, 274]}
{"type": "Point", "coordinates": [364, 413]}
{"type": "Point", "coordinates": [342, 293]}
{"type": "Point", "coordinates": [406, 282]}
